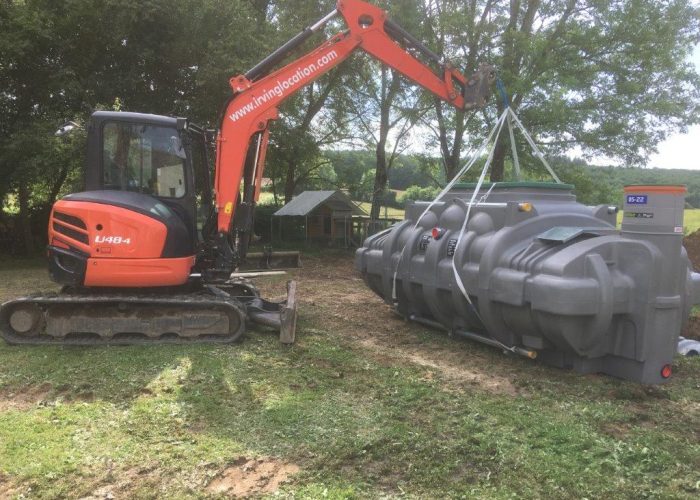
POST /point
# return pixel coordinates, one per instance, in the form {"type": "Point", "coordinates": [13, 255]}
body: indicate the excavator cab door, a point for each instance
{"type": "Point", "coordinates": [201, 168]}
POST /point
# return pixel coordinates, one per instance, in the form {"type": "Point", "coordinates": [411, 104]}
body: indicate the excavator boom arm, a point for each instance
{"type": "Point", "coordinates": [259, 92]}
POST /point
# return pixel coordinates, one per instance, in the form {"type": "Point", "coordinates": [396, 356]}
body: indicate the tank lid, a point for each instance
{"type": "Point", "coordinates": [661, 188]}
{"type": "Point", "coordinates": [511, 185]}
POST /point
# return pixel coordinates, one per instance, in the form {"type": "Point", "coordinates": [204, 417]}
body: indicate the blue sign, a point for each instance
{"type": "Point", "coordinates": [636, 199]}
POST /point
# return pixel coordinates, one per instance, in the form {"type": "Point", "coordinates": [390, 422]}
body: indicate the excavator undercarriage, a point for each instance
{"type": "Point", "coordinates": [202, 313]}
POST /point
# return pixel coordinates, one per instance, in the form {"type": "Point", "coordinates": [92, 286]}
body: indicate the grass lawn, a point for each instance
{"type": "Point", "coordinates": [691, 220]}
{"type": "Point", "coordinates": [364, 405]}
{"type": "Point", "coordinates": [390, 212]}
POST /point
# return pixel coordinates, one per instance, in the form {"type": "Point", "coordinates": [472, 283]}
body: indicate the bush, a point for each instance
{"type": "Point", "coordinates": [417, 193]}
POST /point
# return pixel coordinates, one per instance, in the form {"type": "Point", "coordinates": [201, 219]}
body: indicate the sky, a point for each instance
{"type": "Point", "coordinates": [680, 150]}
{"type": "Point", "coordinates": [677, 151]}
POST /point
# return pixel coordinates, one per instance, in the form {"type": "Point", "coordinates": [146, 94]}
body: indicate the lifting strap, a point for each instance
{"type": "Point", "coordinates": [508, 116]}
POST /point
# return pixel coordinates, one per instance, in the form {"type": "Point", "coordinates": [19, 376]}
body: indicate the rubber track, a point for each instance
{"type": "Point", "coordinates": [185, 301]}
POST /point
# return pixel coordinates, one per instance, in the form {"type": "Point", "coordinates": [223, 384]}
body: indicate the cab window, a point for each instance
{"type": "Point", "coordinates": [143, 158]}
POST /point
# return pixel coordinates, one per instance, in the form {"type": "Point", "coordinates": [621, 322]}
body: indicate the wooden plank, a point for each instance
{"type": "Point", "coordinates": [258, 274]}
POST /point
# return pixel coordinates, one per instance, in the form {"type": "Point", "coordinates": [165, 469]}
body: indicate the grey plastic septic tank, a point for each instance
{"type": "Point", "coordinates": [544, 275]}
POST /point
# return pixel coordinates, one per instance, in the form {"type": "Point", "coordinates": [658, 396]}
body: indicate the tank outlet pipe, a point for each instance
{"type": "Point", "coordinates": [264, 66]}
{"type": "Point", "coordinates": [428, 322]}
{"type": "Point", "coordinates": [527, 353]}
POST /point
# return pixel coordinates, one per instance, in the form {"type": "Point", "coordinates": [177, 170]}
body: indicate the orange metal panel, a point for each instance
{"type": "Point", "coordinates": [111, 232]}
{"type": "Point", "coordinates": [657, 189]}
{"type": "Point", "coordinates": [109, 272]}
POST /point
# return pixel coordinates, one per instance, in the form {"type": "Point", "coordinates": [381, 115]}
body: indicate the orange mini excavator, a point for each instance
{"type": "Point", "coordinates": [146, 254]}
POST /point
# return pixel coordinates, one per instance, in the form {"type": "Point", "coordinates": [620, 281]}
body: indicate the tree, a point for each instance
{"type": "Point", "coordinates": [312, 118]}
{"type": "Point", "coordinates": [294, 147]}
{"type": "Point", "coordinates": [609, 77]}
{"type": "Point", "coordinates": [459, 31]}
{"type": "Point", "coordinates": [384, 106]}
{"type": "Point", "coordinates": [62, 59]}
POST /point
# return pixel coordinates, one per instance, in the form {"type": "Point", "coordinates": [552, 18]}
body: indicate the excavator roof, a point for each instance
{"type": "Point", "coordinates": [165, 121]}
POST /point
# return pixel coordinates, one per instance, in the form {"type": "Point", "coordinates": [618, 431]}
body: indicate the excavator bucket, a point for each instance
{"type": "Point", "coordinates": [280, 316]}
{"type": "Point", "coordinates": [269, 260]}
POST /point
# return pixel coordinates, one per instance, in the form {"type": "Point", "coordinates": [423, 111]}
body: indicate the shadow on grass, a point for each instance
{"type": "Point", "coordinates": [113, 374]}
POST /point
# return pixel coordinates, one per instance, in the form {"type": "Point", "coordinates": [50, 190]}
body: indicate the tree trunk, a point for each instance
{"type": "Point", "coordinates": [450, 153]}
{"type": "Point", "coordinates": [380, 180]}
{"type": "Point", "coordinates": [56, 187]}
{"type": "Point", "coordinates": [290, 182]}
{"type": "Point", "coordinates": [275, 194]}
{"type": "Point", "coordinates": [388, 94]}
{"type": "Point", "coordinates": [452, 164]}
{"type": "Point", "coordinates": [499, 157]}
{"type": "Point", "coordinates": [512, 65]}
{"type": "Point", "coordinates": [24, 218]}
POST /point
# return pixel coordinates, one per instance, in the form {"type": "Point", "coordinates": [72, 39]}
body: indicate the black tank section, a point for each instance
{"type": "Point", "coordinates": [544, 275]}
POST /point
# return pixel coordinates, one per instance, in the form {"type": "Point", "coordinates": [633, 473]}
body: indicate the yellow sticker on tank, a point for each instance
{"type": "Point", "coordinates": [228, 209]}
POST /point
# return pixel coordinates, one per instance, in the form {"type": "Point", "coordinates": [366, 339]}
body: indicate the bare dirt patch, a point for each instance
{"type": "Point", "coordinates": [692, 246]}
{"type": "Point", "coordinates": [122, 484]}
{"type": "Point", "coordinates": [692, 328]}
{"type": "Point", "coordinates": [616, 430]}
{"type": "Point", "coordinates": [37, 395]}
{"type": "Point", "coordinates": [333, 292]}
{"type": "Point", "coordinates": [7, 488]}
{"type": "Point", "coordinates": [252, 477]}
{"type": "Point", "coordinates": [449, 365]}
{"type": "Point", "coordinates": [25, 398]}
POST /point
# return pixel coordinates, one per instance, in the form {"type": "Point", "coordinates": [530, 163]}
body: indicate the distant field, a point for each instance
{"type": "Point", "coordinates": [267, 199]}
{"type": "Point", "coordinates": [691, 220]}
{"type": "Point", "coordinates": [392, 213]}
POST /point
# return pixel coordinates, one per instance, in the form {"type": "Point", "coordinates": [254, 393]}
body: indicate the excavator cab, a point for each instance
{"type": "Point", "coordinates": [148, 196]}
{"type": "Point", "coordinates": [159, 156]}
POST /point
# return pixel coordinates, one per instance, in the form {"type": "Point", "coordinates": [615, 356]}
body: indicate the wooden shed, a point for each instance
{"type": "Point", "coordinates": [320, 216]}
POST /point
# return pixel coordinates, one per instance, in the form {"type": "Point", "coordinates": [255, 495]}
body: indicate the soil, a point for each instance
{"type": "Point", "coordinates": [454, 367]}
{"type": "Point", "coordinates": [122, 484]}
{"type": "Point", "coordinates": [692, 246]}
{"type": "Point", "coordinates": [252, 477]}
{"type": "Point", "coordinates": [7, 489]}
{"type": "Point", "coordinates": [41, 394]}
{"type": "Point", "coordinates": [332, 291]}
{"type": "Point", "coordinates": [25, 398]}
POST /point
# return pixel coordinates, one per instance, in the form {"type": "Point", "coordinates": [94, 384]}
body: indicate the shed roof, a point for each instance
{"type": "Point", "coordinates": [307, 201]}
